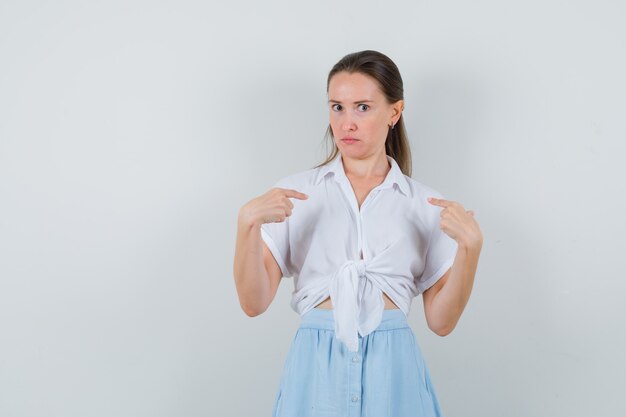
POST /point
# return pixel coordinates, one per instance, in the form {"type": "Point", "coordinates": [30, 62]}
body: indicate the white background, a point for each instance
{"type": "Point", "coordinates": [132, 132]}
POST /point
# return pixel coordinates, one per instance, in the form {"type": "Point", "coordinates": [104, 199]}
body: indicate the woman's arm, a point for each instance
{"type": "Point", "coordinates": [251, 278]}
{"type": "Point", "coordinates": [257, 273]}
{"type": "Point", "coordinates": [445, 301]}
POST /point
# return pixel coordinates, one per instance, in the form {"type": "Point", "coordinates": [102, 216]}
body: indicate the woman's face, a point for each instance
{"type": "Point", "coordinates": [358, 110]}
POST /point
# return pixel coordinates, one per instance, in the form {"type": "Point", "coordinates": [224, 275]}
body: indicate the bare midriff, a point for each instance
{"type": "Point", "coordinates": [328, 305]}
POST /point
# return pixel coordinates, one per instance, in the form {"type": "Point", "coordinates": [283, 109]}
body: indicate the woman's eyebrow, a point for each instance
{"type": "Point", "coordinates": [359, 101]}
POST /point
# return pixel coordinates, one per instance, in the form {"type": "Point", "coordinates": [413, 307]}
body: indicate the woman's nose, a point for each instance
{"type": "Point", "coordinates": [348, 124]}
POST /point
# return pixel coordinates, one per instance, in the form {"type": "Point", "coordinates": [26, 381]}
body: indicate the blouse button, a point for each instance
{"type": "Point", "coordinates": [355, 398]}
{"type": "Point", "coordinates": [355, 359]}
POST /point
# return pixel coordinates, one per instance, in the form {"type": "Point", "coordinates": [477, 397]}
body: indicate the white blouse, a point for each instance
{"type": "Point", "coordinates": [404, 251]}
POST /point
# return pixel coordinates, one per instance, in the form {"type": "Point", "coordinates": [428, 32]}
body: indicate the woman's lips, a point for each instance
{"type": "Point", "coordinates": [349, 140]}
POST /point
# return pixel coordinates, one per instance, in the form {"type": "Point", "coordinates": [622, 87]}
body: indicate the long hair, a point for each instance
{"type": "Point", "coordinates": [381, 68]}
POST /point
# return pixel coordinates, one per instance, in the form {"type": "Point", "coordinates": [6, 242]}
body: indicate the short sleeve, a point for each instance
{"type": "Point", "coordinates": [276, 237]}
{"type": "Point", "coordinates": [439, 255]}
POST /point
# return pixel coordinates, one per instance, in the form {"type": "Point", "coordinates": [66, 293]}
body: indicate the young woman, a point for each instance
{"type": "Point", "coordinates": [361, 239]}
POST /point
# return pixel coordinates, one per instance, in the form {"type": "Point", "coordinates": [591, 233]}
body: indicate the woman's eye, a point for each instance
{"type": "Point", "coordinates": [337, 107]}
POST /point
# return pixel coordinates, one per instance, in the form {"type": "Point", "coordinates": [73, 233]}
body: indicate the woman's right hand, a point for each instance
{"type": "Point", "coordinates": [272, 207]}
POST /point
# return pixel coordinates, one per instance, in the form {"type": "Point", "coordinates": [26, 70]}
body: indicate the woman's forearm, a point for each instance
{"type": "Point", "coordinates": [251, 277]}
{"type": "Point", "coordinates": [450, 301]}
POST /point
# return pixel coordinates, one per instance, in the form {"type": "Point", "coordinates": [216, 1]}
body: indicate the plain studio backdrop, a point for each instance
{"type": "Point", "coordinates": [131, 133]}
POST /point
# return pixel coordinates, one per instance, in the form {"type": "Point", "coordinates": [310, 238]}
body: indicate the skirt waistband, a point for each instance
{"type": "Point", "coordinates": [320, 318]}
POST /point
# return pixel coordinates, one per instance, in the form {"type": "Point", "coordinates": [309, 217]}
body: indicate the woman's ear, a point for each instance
{"type": "Point", "coordinates": [397, 108]}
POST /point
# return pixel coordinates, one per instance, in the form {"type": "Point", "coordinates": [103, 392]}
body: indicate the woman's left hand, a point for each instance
{"type": "Point", "coordinates": [458, 223]}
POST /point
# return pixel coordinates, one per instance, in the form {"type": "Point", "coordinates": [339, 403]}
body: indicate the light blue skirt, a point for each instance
{"type": "Point", "coordinates": [387, 377]}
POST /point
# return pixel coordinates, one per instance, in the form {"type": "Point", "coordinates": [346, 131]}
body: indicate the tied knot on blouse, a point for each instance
{"type": "Point", "coordinates": [357, 300]}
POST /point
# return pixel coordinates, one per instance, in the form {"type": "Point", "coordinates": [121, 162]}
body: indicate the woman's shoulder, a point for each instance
{"type": "Point", "coordinates": [299, 179]}
{"type": "Point", "coordinates": [420, 190]}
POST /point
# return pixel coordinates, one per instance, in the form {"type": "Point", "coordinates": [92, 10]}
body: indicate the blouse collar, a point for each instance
{"type": "Point", "coordinates": [394, 176]}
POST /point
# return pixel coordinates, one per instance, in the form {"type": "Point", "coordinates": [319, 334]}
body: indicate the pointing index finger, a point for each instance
{"type": "Point", "coordinates": [438, 202]}
{"type": "Point", "coordinates": [295, 194]}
